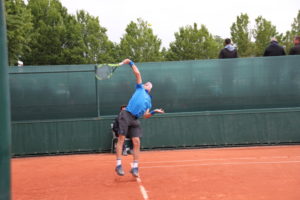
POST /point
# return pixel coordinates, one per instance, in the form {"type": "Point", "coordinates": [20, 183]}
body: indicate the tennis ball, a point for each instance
{"type": "Point", "coordinates": [149, 24]}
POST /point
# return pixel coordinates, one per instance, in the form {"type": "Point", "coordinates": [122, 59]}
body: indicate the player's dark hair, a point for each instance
{"type": "Point", "coordinates": [227, 41]}
{"type": "Point", "coordinates": [123, 106]}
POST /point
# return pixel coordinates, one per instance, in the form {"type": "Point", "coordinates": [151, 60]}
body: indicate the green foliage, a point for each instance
{"type": "Point", "coordinates": [263, 33]}
{"type": "Point", "coordinates": [192, 43]}
{"type": "Point", "coordinates": [139, 43]}
{"type": "Point", "coordinates": [296, 25]}
{"type": "Point", "coordinates": [97, 47]}
{"type": "Point", "coordinates": [219, 41]}
{"type": "Point", "coordinates": [241, 36]}
{"type": "Point", "coordinates": [72, 42]}
{"type": "Point", "coordinates": [19, 27]}
{"type": "Point", "coordinates": [287, 38]}
{"type": "Point", "coordinates": [48, 33]}
{"type": "Point", "coordinates": [43, 33]}
{"type": "Point", "coordinates": [60, 38]}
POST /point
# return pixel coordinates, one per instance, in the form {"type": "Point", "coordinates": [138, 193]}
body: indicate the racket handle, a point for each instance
{"type": "Point", "coordinates": [121, 63]}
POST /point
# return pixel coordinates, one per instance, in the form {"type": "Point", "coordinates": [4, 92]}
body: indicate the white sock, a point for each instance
{"type": "Point", "coordinates": [119, 162]}
{"type": "Point", "coordinates": [135, 164]}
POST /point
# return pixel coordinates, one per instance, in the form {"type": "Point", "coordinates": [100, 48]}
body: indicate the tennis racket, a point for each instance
{"type": "Point", "coordinates": [105, 71]}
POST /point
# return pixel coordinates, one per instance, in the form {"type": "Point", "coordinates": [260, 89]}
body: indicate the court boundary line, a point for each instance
{"type": "Point", "coordinates": [217, 148]}
{"type": "Point", "coordinates": [106, 162]}
{"type": "Point", "coordinates": [220, 159]}
{"type": "Point", "coordinates": [142, 189]}
{"type": "Point", "coordinates": [226, 163]}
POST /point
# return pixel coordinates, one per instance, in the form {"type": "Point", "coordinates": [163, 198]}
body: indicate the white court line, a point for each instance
{"type": "Point", "coordinates": [279, 157]}
{"type": "Point", "coordinates": [216, 159]}
{"type": "Point", "coordinates": [108, 162]}
{"type": "Point", "coordinates": [142, 189]}
{"type": "Point", "coordinates": [228, 163]}
{"type": "Point", "coordinates": [212, 159]}
{"type": "Point", "coordinates": [145, 194]}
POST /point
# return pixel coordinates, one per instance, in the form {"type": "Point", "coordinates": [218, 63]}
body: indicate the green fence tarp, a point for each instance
{"type": "Point", "coordinates": [53, 92]}
{"type": "Point", "coordinates": [209, 102]}
{"type": "Point", "coordinates": [58, 92]}
{"type": "Point", "coordinates": [175, 130]}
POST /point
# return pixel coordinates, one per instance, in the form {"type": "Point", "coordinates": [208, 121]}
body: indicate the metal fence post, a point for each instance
{"type": "Point", "coordinates": [5, 125]}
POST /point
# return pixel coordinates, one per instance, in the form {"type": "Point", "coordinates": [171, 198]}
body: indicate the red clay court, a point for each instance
{"type": "Point", "coordinates": [242, 173]}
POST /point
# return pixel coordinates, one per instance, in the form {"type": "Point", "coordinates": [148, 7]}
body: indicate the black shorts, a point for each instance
{"type": "Point", "coordinates": [129, 125]}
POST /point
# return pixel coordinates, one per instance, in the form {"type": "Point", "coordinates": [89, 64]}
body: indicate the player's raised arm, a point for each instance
{"type": "Point", "coordinates": [135, 70]}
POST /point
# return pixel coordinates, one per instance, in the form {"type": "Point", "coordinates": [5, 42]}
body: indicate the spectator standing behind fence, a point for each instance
{"type": "Point", "coordinates": [229, 50]}
{"type": "Point", "coordinates": [296, 49]}
{"type": "Point", "coordinates": [274, 49]}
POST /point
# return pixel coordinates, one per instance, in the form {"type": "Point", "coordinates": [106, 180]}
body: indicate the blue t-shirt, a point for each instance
{"type": "Point", "coordinates": [139, 102]}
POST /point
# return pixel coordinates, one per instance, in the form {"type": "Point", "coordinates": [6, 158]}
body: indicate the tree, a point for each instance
{"type": "Point", "coordinates": [48, 33]}
{"type": "Point", "coordinates": [296, 25]}
{"type": "Point", "coordinates": [72, 42]}
{"type": "Point", "coordinates": [19, 27]}
{"type": "Point", "coordinates": [286, 40]}
{"type": "Point", "coordinates": [164, 53]}
{"type": "Point", "coordinates": [193, 43]}
{"type": "Point", "coordinates": [219, 41]}
{"type": "Point", "coordinates": [263, 32]}
{"type": "Point", "coordinates": [241, 36]}
{"type": "Point", "coordinates": [139, 43]}
{"type": "Point", "coordinates": [97, 47]}
{"type": "Point", "coordinates": [295, 31]}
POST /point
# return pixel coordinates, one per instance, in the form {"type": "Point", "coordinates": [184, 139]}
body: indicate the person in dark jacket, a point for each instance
{"type": "Point", "coordinates": [229, 51]}
{"type": "Point", "coordinates": [296, 49]}
{"type": "Point", "coordinates": [127, 146]}
{"type": "Point", "coordinates": [274, 49]}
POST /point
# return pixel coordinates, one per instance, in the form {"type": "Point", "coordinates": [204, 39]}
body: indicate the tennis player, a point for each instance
{"type": "Point", "coordinates": [138, 106]}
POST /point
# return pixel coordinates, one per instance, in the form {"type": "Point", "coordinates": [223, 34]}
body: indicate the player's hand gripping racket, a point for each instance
{"type": "Point", "coordinates": [105, 71]}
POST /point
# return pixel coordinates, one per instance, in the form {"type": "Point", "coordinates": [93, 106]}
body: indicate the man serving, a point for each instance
{"type": "Point", "coordinates": [139, 106]}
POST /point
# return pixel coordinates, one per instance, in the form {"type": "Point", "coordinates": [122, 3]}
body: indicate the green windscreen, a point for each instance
{"type": "Point", "coordinates": [207, 85]}
{"type": "Point", "coordinates": [57, 92]}
{"type": "Point", "coordinates": [53, 92]}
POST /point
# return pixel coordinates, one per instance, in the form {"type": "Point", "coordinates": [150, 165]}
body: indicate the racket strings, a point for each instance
{"type": "Point", "coordinates": [105, 71]}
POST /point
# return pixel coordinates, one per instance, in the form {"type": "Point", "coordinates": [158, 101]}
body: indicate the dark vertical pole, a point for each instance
{"type": "Point", "coordinates": [5, 129]}
{"type": "Point", "coordinates": [97, 94]}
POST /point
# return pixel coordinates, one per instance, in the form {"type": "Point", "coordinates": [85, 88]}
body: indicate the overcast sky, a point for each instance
{"type": "Point", "coordinates": [167, 16]}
